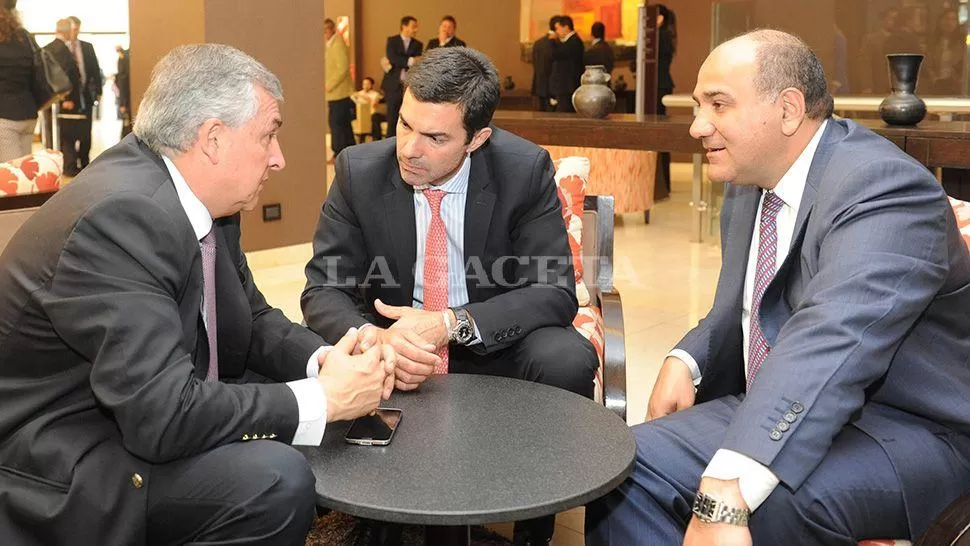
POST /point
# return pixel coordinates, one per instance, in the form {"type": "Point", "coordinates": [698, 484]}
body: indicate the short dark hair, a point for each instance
{"type": "Point", "coordinates": [450, 19]}
{"type": "Point", "coordinates": [406, 20]}
{"type": "Point", "coordinates": [372, 82]}
{"type": "Point", "coordinates": [598, 30]}
{"type": "Point", "coordinates": [566, 21]}
{"type": "Point", "coordinates": [329, 23]}
{"type": "Point", "coordinates": [457, 75]}
{"type": "Point", "coordinates": [552, 22]}
{"type": "Point", "coordinates": [785, 60]}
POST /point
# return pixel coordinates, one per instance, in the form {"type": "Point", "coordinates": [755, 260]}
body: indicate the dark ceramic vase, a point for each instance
{"type": "Point", "coordinates": [594, 98]}
{"type": "Point", "coordinates": [903, 107]}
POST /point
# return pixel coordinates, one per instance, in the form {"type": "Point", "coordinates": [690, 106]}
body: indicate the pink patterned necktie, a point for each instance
{"type": "Point", "coordinates": [436, 266]}
{"type": "Point", "coordinates": [767, 251]}
{"type": "Point", "coordinates": [208, 244]}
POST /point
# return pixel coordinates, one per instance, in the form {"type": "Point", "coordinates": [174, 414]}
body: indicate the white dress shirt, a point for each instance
{"type": "Point", "coordinates": [755, 480]}
{"type": "Point", "coordinates": [310, 397]}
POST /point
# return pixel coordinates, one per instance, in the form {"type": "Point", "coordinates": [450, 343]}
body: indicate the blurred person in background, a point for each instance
{"type": "Point", "coordinates": [18, 110]}
{"type": "Point", "coordinates": [446, 34]}
{"type": "Point", "coordinates": [599, 51]}
{"type": "Point", "coordinates": [369, 95]}
{"type": "Point", "coordinates": [667, 39]}
{"type": "Point", "coordinates": [945, 57]}
{"type": "Point", "coordinates": [542, 67]}
{"type": "Point", "coordinates": [339, 87]}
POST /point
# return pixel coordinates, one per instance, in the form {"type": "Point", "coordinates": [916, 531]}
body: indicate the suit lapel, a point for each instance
{"type": "Point", "coordinates": [401, 225]}
{"type": "Point", "coordinates": [478, 211]}
{"type": "Point", "coordinates": [233, 314]}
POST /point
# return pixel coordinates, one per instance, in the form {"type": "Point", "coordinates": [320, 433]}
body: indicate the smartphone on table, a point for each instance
{"type": "Point", "coordinates": [376, 429]}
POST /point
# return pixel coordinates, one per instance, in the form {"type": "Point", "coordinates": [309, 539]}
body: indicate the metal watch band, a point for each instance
{"type": "Point", "coordinates": [711, 510]}
{"type": "Point", "coordinates": [463, 320]}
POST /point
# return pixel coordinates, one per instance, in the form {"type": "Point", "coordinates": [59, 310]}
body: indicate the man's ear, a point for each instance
{"type": "Point", "coordinates": [793, 110]}
{"type": "Point", "coordinates": [480, 138]}
{"type": "Point", "coordinates": [208, 136]}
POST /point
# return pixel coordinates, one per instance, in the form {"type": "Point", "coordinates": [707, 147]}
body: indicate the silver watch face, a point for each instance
{"type": "Point", "coordinates": [463, 333]}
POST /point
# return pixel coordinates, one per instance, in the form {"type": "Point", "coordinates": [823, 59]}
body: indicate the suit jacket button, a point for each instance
{"type": "Point", "coordinates": [245, 437]}
{"type": "Point", "coordinates": [775, 434]}
{"type": "Point", "coordinates": [783, 426]}
{"type": "Point", "coordinates": [137, 481]}
{"type": "Point", "coordinates": [498, 336]}
{"type": "Point", "coordinates": [518, 329]}
{"type": "Point", "coordinates": [790, 417]}
{"type": "Point", "coordinates": [797, 407]}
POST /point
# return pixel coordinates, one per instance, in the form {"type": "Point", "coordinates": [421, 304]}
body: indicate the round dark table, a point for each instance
{"type": "Point", "coordinates": [475, 449]}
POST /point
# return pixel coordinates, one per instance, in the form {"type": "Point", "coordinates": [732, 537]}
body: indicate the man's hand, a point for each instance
{"type": "Point", "coordinates": [354, 384]}
{"type": "Point", "coordinates": [719, 534]}
{"type": "Point", "coordinates": [673, 391]}
{"type": "Point", "coordinates": [416, 359]}
{"type": "Point", "coordinates": [370, 336]}
{"type": "Point", "coordinates": [430, 325]}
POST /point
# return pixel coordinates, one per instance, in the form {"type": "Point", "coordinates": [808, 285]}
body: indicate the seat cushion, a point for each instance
{"type": "Point", "coordinates": [572, 174]}
{"type": "Point", "coordinates": [37, 172]}
{"type": "Point", "coordinates": [589, 323]}
{"type": "Point", "coordinates": [961, 209]}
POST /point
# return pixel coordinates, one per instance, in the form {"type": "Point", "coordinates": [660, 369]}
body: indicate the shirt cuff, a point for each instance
{"type": "Point", "coordinates": [410, 62]}
{"type": "Point", "coordinates": [313, 364]}
{"type": "Point", "coordinates": [695, 370]}
{"type": "Point", "coordinates": [312, 401]}
{"type": "Point", "coordinates": [754, 479]}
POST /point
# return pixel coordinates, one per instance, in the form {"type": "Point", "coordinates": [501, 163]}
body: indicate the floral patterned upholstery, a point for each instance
{"type": "Point", "coordinates": [37, 172]}
{"type": "Point", "coordinates": [627, 175]}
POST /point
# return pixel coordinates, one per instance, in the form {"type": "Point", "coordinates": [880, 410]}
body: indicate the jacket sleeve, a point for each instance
{"type": "Point", "coordinates": [113, 298]}
{"type": "Point", "coordinates": [331, 300]}
{"type": "Point", "coordinates": [394, 51]}
{"type": "Point", "coordinates": [543, 270]}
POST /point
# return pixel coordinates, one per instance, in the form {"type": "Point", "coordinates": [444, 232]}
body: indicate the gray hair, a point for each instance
{"type": "Point", "coordinates": [195, 83]}
{"type": "Point", "coordinates": [785, 60]}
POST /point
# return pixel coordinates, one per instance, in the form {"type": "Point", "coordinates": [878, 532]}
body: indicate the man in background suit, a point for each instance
{"type": "Point", "coordinates": [402, 51]}
{"type": "Point", "coordinates": [446, 34]}
{"type": "Point", "coordinates": [63, 34]}
{"type": "Point", "coordinates": [77, 131]}
{"type": "Point", "coordinates": [542, 66]}
{"type": "Point", "coordinates": [339, 87]}
{"type": "Point", "coordinates": [567, 64]}
{"type": "Point", "coordinates": [599, 52]}
{"type": "Point", "coordinates": [449, 245]}
{"type": "Point", "coordinates": [141, 371]}
{"type": "Point", "coordinates": [832, 368]}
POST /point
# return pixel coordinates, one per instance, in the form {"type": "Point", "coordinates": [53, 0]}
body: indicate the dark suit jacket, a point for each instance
{"type": "Point", "coordinates": [64, 58]}
{"type": "Point", "coordinates": [665, 56]}
{"type": "Point", "coordinates": [512, 209]}
{"type": "Point", "coordinates": [541, 67]}
{"type": "Point", "coordinates": [103, 353]}
{"type": "Point", "coordinates": [82, 93]}
{"type": "Point", "coordinates": [866, 320]}
{"type": "Point", "coordinates": [600, 53]}
{"type": "Point", "coordinates": [453, 42]}
{"type": "Point", "coordinates": [398, 56]}
{"type": "Point", "coordinates": [567, 67]}
{"type": "Point", "coordinates": [93, 80]}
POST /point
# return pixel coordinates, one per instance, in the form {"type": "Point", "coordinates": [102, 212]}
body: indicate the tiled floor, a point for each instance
{"type": "Point", "coordinates": [666, 282]}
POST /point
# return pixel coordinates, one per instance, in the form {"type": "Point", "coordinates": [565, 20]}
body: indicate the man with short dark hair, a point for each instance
{"type": "Point", "coordinates": [833, 386]}
{"type": "Point", "coordinates": [600, 52]}
{"type": "Point", "coordinates": [567, 64]}
{"type": "Point", "coordinates": [402, 51]}
{"type": "Point", "coordinates": [448, 244]}
{"type": "Point", "coordinates": [446, 34]}
{"type": "Point", "coordinates": [542, 67]}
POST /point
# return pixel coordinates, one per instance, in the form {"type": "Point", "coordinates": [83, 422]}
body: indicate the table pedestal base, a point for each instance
{"type": "Point", "coordinates": [449, 536]}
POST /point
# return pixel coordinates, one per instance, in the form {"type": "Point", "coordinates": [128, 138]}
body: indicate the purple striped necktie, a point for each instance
{"type": "Point", "coordinates": [767, 251]}
{"type": "Point", "coordinates": [208, 244]}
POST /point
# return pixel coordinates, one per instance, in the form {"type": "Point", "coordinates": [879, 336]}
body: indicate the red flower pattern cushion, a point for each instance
{"type": "Point", "coordinates": [572, 174]}
{"type": "Point", "coordinates": [37, 172]}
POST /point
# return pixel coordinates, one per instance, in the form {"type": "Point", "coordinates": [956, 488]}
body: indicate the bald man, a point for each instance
{"type": "Point", "coordinates": [832, 397]}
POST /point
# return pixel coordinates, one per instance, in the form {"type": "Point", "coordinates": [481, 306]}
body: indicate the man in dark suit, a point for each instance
{"type": "Point", "coordinates": [141, 370]}
{"type": "Point", "coordinates": [448, 244]}
{"type": "Point", "coordinates": [76, 129]}
{"type": "Point", "coordinates": [599, 52]}
{"type": "Point", "coordinates": [834, 385]}
{"type": "Point", "coordinates": [567, 64]}
{"type": "Point", "coordinates": [63, 34]}
{"type": "Point", "coordinates": [446, 34]}
{"type": "Point", "coordinates": [542, 66]}
{"type": "Point", "coordinates": [402, 51]}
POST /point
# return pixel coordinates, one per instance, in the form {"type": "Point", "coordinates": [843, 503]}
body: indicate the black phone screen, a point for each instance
{"type": "Point", "coordinates": [377, 428]}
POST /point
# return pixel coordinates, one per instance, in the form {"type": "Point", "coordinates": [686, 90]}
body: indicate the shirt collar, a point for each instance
{"type": "Point", "coordinates": [198, 215]}
{"type": "Point", "coordinates": [595, 41]}
{"type": "Point", "coordinates": [792, 185]}
{"type": "Point", "coordinates": [568, 36]}
{"type": "Point", "coordinates": [457, 183]}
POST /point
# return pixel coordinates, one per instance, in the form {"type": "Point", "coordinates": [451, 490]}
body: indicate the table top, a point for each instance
{"type": "Point", "coordinates": [474, 449]}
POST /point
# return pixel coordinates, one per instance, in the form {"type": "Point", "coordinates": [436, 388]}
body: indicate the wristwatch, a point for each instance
{"type": "Point", "coordinates": [711, 510]}
{"type": "Point", "coordinates": [463, 331]}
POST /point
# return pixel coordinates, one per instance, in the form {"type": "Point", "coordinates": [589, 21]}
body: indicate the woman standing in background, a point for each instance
{"type": "Point", "coordinates": [18, 111]}
{"type": "Point", "coordinates": [667, 48]}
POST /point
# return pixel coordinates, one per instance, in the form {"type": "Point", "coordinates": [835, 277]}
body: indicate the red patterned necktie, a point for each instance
{"type": "Point", "coordinates": [208, 244]}
{"type": "Point", "coordinates": [436, 266]}
{"type": "Point", "coordinates": [767, 251]}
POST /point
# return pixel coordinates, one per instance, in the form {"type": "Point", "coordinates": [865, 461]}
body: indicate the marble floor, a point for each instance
{"type": "Point", "coordinates": [666, 282]}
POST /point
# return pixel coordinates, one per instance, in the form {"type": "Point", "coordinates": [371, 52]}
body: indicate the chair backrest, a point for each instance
{"type": "Point", "coordinates": [10, 222]}
{"type": "Point", "coordinates": [362, 125]}
{"type": "Point", "coordinates": [598, 241]}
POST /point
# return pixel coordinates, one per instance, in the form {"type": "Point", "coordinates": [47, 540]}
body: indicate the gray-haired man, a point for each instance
{"type": "Point", "coordinates": [139, 363]}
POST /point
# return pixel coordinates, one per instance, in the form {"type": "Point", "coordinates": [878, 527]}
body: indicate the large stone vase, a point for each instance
{"type": "Point", "coordinates": [903, 107]}
{"type": "Point", "coordinates": [594, 98]}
